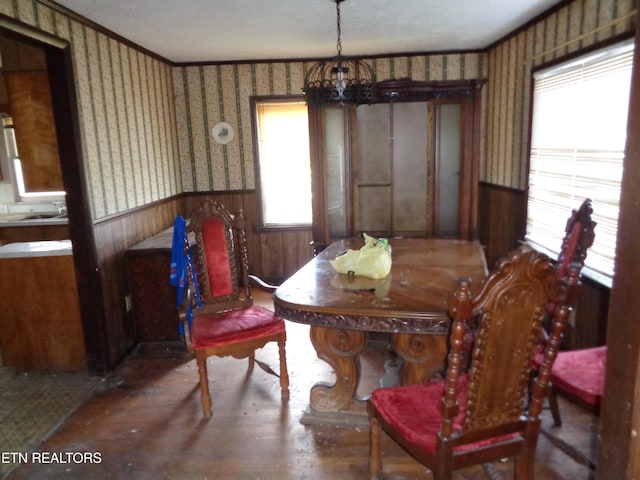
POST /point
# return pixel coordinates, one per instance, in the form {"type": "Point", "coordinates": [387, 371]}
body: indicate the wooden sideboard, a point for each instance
{"type": "Point", "coordinates": [153, 298]}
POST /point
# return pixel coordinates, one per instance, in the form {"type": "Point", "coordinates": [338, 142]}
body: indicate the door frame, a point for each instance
{"type": "Point", "coordinates": [80, 222]}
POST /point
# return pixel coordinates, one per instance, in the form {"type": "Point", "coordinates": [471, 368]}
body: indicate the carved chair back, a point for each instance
{"type": "Point", "coordinates": [220, 259]}
{"type": "Point", "coordinates": [509, 308]}
{"type": "Point", "coordinates": [578, 238]}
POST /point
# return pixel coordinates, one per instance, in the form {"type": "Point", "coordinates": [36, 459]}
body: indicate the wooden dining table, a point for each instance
{"type": "Point", "coordinates": [410, 304]}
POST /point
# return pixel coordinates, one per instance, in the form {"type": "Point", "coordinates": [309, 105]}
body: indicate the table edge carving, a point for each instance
{"type": "Point", "coordinates": [433, 324]}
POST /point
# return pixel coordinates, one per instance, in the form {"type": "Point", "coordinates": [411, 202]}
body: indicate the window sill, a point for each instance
{"type": "Point", "coordinates": [280, 228]}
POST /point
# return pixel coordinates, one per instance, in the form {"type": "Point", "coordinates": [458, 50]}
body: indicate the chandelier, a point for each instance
{"type": "Point", "coordinates": [340, 80]}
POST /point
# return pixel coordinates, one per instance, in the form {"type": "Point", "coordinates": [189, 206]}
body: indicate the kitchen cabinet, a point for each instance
{"type": "Point", "coordinates": [40, 324]}
{"type": "Point", "coordinates": [36, 231]}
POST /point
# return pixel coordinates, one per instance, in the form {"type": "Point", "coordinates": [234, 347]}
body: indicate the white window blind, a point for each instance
{"type": "Point", "coordinates": [577, 148]}
{"type": "Point", "coordinates": [284, 162]}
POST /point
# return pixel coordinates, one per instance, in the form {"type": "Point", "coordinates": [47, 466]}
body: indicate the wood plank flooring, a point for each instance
{"type": "Point", "coordinates": [146, 423]}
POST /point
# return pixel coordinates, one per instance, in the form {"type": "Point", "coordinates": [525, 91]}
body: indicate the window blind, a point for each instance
{"type": "Point", "coordinates": [578, 136]}
{"type": "Point", "coordinates": [283, 161]}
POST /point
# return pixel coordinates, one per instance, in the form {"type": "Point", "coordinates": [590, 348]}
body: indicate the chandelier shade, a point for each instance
{"type": "Point", "coordinates": [340, 80]}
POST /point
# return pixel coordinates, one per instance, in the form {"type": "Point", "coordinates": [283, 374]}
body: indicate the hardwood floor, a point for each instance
{"type": "Point", "coordinates": [145, 422]}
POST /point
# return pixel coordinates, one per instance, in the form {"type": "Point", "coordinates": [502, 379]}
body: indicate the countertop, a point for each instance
{"type": "Point", "coordinates": [160, 241]}
{"type": "Point", "coordinates": [48, 248]}
{"type": "Point", "coordinates": [20, 220]}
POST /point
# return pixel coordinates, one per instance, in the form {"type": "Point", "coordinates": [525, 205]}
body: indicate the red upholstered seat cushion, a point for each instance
{"type": "Point", "coordinates": [581, 372]}
{"type": "Point", "coordinates": [217, 329]}
{"type": "Point", "coordinates": [414, 410]}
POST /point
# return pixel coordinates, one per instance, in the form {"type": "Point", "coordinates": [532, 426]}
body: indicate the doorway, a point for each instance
{"type": "Point", "coordinates": [58, 64]}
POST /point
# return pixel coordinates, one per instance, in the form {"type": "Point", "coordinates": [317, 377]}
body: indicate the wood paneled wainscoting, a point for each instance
{"type": "Point", "coordinates": [502, 214]}
{"type": "Point", "coordinates": [113, 236]}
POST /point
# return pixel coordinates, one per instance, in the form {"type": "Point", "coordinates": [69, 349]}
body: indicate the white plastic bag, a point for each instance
{"type": "Point", "coordinates": [373, 260]}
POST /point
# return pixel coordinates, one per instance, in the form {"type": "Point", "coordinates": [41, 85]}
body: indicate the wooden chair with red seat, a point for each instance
{"type": "Point", "coordinates": [577, 375]}
{"type": "Point", "coordinates": [482, 415]}
{"type": "Point", "coordinates": [228, 323]}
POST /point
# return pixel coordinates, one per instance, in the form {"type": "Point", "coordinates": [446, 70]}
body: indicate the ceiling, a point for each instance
{"type": "Point", "coordinates": [215, 30]}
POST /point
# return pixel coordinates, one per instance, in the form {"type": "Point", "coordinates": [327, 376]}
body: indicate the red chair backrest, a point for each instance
{"type": "Point", "coordinates": [221, 260]}
{"type": "Point", "coordinates": [579, 236]}
{"type": "Point", "coordinates": [216, 253]}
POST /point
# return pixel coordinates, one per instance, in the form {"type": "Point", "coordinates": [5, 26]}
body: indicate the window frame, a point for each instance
{"type": "Point", "coordinates": [594, 274]}
{"type": "Point", "coordinates": [255, 100]}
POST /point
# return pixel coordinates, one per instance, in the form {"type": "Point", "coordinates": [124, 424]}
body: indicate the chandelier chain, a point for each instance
{"type": "Point", "coordinates": [340, 80]}
{"type": "Point", "coordinates": [339, 43]}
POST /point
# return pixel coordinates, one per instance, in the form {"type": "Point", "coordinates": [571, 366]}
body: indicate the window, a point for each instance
{"type": "Point", "coordinates": [284, 172]}
{"type": "Point", "coordinates": [578, 136]}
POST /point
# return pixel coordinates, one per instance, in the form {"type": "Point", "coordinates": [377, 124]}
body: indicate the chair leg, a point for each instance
{"type": "Point", "coordinates": [555, 409]}
{"type": "Point", "coordinates": [205, 396]}
{"type": "Point", "coordinates": [252, 361]}
{"type": "Point", "coordinates": [375, 458]}
{"type": "Point", "coordinates": [284, 373]}
{"type": "Point", "coordinates": [524, 465]}
{"type": "Point", "coordinates": [442, 469]}
{"type": "Point", "coordinates": [521, 468]}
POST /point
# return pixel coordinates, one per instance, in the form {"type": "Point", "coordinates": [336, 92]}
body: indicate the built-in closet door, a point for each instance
{"type": "Point", "coordinates": [395, 169]}
{"type": "Point", "coordinates": [446, 163]}
{"type": "Point", "coordinates": [407, 171]}
{"type": "Point", "coordinates": [391, 171]}
{"type": "Point", "coordinates": [337, 174]}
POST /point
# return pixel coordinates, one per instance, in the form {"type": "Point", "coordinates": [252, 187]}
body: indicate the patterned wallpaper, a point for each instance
{"type": "Point", "coordinates": [207, 94]}
{"type": "Point", "coordinates": [146, 124]}
{"type": "Point", "coordinates": [126, 109]}
{"type": "Point", "coordinates": [576, 26]}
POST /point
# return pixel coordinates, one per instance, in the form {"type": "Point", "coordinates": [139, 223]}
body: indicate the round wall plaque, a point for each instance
{"type": "Point", "coordinates": [222, 132]}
